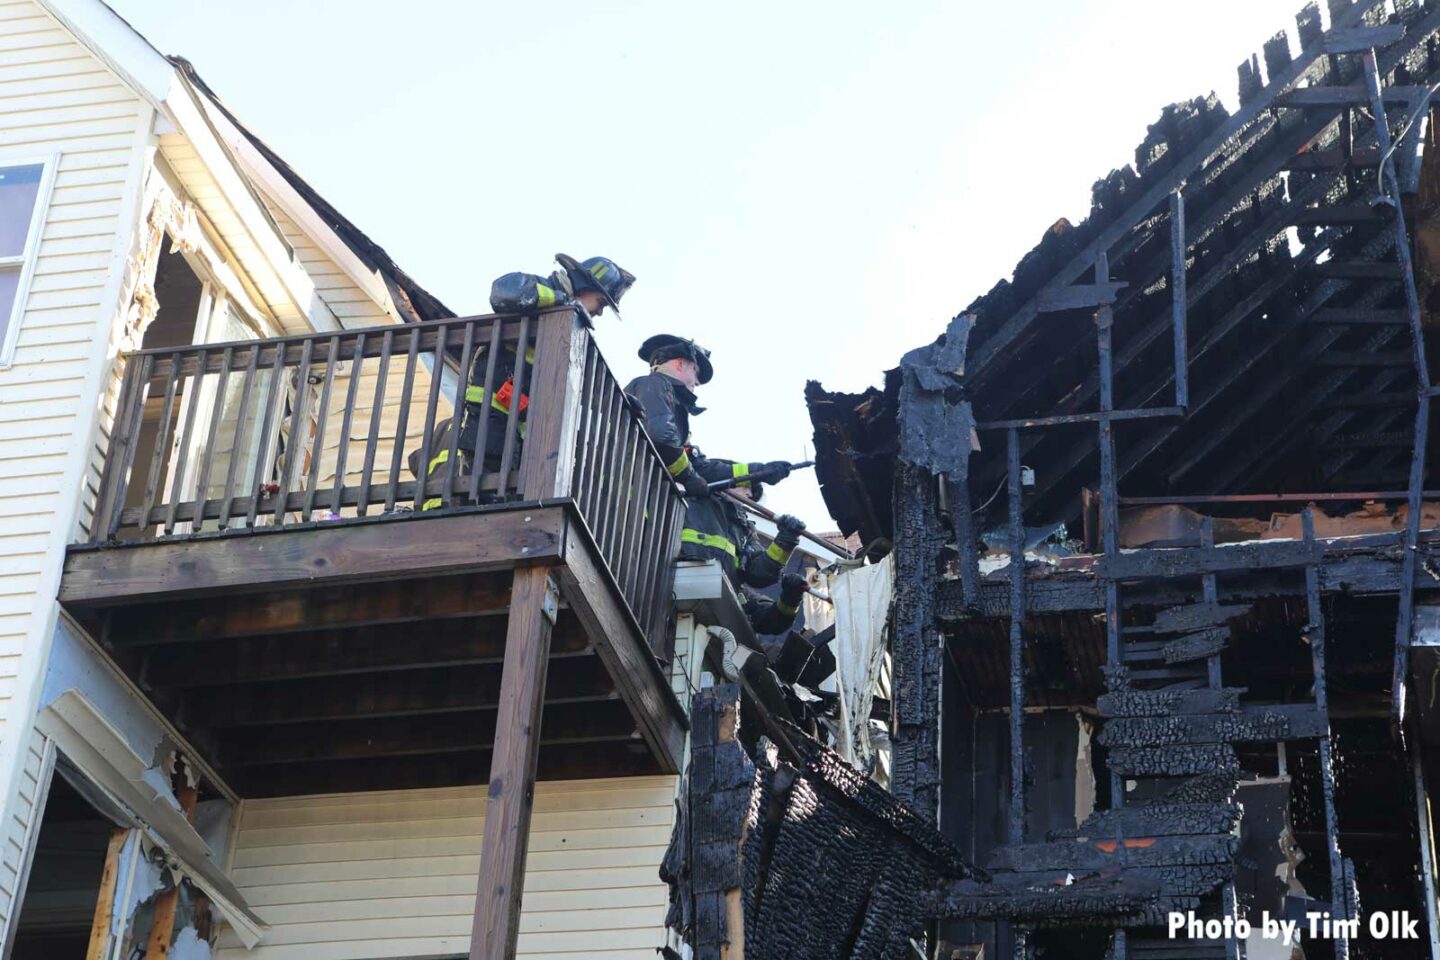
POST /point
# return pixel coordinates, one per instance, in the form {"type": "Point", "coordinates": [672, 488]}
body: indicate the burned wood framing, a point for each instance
{"type": "Point", "coordinates": [917, 645]}
{"type": "Point", "coordinates": [1271, 274]}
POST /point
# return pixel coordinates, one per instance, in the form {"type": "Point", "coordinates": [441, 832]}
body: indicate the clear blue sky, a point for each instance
{"type": "Point", "coordinates": [809, 189]}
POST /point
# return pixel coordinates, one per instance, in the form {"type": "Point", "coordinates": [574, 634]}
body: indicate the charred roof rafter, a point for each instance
{"type": "Point", "coordinates": [1221, 224]}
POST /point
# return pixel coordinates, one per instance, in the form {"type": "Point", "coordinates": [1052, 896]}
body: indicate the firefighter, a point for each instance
{"type": "Point", "coordinates": [768, 616]}
{"type": "Point", "coordinates": [590, 286]}
{"type": "Point", "coordinates": [716, 527]}
{"type": "Point", "coordinates": [666, 399]}
{"type": "Point", "coordinates": [593, 285]}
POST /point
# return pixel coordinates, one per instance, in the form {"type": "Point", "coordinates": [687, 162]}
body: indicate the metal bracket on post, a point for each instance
{"type": "Point", "coordinates": [550, 603]}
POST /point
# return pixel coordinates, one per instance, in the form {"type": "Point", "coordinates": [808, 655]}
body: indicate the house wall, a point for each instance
{"type": "Point", "coordinates": [55, 99]}
{"type": "Point", "coordinates": [357, 309]}
{"type": "Point", "coordinates": [23, 824]}
{"type": "Point", "coordinates": [393, 874]}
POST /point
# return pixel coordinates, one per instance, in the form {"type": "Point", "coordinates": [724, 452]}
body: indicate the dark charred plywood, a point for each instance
{"type": "Point", "coordinates": [855, 446]}
{"type": "Point", "coordinates": [1254, 725]}
{"type": "Point", "coordinates": [1174, 761]}
{"type": "Point", "coordinates": [1168, 703]}
{"type": "Point", "coordinates": [1157, 820]}
{"type": "Point", "coordinates": [826, 864]}
{"type": "Point", "coordinates": [1266, 849]}
{"type": "Point", "coordinates": [1097, 854]}
{"type": "Point", "coordinates": [916, 649]}
{"type": "Point", "coordinates": [833, 864]}
{"type": "Point", "coordinates": [1192, 561]}
{"type": "Point", "coordinates": [702, 863]}
{"type": "Point", "coordinates": [1197, 616]}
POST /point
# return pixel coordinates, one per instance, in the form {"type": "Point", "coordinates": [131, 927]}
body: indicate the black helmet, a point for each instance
{"type": "Point", "coordinates": [600, 274]}
{"type": "Point", "coordinates": [665, 346]}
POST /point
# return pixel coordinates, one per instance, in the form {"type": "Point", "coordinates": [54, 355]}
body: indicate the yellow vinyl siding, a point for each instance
{"type": "Point", "coordinates": [55, 98]}
{"type": "Point", "coordinates": [352, 305]}
{"type": "Point", "coordinates": [393, 874]}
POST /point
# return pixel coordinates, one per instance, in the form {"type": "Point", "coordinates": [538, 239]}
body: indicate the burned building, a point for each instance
{"type": "Point", "coordinates": [1166, 567]}
{"type": "Point", "coordinates": [1138, 617]}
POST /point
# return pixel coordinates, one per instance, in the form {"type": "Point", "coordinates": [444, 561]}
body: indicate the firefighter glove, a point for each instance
{"type": "Point", "coordinates": [695, 486]}
{"type": "Point", "coordinates": [792, 588]}
{"type": "Point", "coordinates": [787, 535]}
{"type": "Point", "coordinates": [775, 471]}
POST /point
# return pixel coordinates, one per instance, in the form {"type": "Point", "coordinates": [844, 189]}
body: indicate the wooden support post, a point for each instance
{"type": "Point", "coordinates": [105, 901]}
{"type": "Point", "coordinates": [496, 925]}
{"type": "Point", "coordinates": [162, 924]}
{"type": "Point", "coordinates": [547, 462]}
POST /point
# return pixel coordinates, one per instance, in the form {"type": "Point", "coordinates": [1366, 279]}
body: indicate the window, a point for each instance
{"type": "Point", "coordinates": [23, 189]}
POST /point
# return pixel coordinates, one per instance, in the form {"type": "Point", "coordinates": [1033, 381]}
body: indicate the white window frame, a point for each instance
{"type": "Point", "coordinates": [29, 256]}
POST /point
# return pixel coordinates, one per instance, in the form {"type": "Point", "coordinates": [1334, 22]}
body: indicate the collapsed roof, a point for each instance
{"type": "Point", "coordinates": [1298, 358]}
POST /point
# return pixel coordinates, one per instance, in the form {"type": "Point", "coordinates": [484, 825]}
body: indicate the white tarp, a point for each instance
{"type": "Point", "coordinates": [862, 608]}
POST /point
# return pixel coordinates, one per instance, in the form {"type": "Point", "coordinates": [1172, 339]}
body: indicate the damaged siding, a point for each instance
{"type": "Point", "coordinates": [200, 184]}
{"type": "Point", "coordinates": [56, 101]}
{"type": "Point", "coordinates": [393, 874]}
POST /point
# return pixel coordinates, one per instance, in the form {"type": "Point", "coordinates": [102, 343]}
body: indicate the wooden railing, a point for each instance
{"type": "Point", "coordinates": [225, 438]}
{"type": "Point", "coordinates": [626, 496]}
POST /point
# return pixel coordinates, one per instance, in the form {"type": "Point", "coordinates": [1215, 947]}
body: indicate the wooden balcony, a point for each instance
{"type": "Point", "coordinates": [263, 565]}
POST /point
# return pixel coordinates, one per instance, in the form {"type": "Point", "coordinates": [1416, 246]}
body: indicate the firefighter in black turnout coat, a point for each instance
{"type": "Point", "coordinates": [715, 526]}
{"type": "Point", "coordinates": [590, 286]}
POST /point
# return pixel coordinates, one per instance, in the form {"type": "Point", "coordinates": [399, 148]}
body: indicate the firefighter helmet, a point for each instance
{"type": "Point", "coordinates": [601, 274]}
{"type": "Point", "coordinates": [666, 346]}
